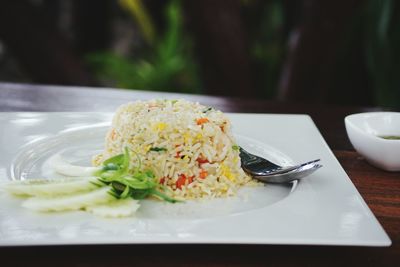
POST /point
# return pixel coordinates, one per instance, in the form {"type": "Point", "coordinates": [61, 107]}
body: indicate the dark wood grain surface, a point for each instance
{"type": "Point", "coordinates": [380, 189]}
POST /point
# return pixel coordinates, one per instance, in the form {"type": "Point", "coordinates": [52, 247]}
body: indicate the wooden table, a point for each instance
{"type": "Point", "coordinates": [380, 189]}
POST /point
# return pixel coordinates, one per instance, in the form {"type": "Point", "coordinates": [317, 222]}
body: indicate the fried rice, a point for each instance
{"type": "Point", "coordinates": [188, 146]}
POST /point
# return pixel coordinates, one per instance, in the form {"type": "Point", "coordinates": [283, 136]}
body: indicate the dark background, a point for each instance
{"type": "Point", "coordinates": [342, 52]}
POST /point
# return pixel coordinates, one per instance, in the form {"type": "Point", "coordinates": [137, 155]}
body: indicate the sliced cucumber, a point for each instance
{"type": "Point", "coordinates": [69, 202]}
{"type": "Point", "coordinates": [61, 166]}
{"type": "Point", "coordinates": [44, 187]}
{"type": "Point", "coordinates": [115, 209]}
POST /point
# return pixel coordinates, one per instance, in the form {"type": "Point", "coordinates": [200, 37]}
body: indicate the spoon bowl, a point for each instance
{"type": "Point", "coordinates": [269, 172]}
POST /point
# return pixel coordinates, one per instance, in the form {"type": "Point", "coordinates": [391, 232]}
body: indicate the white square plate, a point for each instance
{"type": "Point", "coordinates": [323, 209]}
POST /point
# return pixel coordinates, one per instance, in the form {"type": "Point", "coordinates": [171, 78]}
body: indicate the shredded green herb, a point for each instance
{"type": "Point", "coordinates": [126, 181]}
{"type": "Point", "coordinates": [236, 147]}
{"type": "Point", "coordinates": [207, 109]}
{"type": "Point", "coordinates": [390, 137]}
{"type": "Point", "coordinates": [158, 149]}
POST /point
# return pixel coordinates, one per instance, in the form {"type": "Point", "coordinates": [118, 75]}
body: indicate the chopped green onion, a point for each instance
{"type": "Point", "coordinates": [110, 167]}
{"type": "Point", "coordinates": [236, 147]}
{"type": "Point", "coordinates": [117, 160]}
{"type": "Point", "coordinates": [140, 193]}
{"type": "Point", "coordinates": [126, 181]}
{"type": "Point", "coordinates": [207, 109]}
{"type": "Point", "coordinates": [163, 196]}
{"type": "Point", "coordinates": [158, 149]}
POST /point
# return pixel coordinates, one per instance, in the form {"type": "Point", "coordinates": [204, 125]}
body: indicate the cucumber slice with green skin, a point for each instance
{"type": "Point", "coordinates": [44, 187]}
{"type": "Point", "coordinates": [116, 209]}
{"type": "Point", "coordinates": [70, 202]}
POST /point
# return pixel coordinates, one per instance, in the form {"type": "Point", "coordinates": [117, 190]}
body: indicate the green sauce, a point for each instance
{"type": "Point", "coordinates": [390, 137]}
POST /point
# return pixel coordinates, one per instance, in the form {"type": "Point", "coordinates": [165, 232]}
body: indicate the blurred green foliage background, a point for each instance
{"type": "Point", "coordinates": [344, 52]}
{"type": "Point", "coordinates": [166, 61]}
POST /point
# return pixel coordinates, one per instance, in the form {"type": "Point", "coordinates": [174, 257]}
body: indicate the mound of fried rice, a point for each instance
{"type": "Point", "coordinates": [188, 146]}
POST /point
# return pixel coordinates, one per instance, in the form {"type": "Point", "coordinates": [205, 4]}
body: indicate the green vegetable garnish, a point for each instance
{"type": "Point", "coordinates": [207, 109]}
{"type": "Point", "coordinates": [158, 149]}
{"type": "Point", "coordinates": [236, 147]}
{"type": "Point", "coordinates": [126, 181]}
{"type": "Point", "coordinates": [390, 137]}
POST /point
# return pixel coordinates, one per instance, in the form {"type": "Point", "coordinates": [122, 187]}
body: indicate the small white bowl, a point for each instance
{"type": "Point", "coordinates": [365, 131]}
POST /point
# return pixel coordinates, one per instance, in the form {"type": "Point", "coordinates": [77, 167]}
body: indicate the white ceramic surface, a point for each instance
{"type": "Point", "coordinates": [364, 130]}
{"type": "Point", "coordinates": [324, 209]}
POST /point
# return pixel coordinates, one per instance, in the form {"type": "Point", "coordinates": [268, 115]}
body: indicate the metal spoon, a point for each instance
{"type": "Point", "coordinates": [268, 172]}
